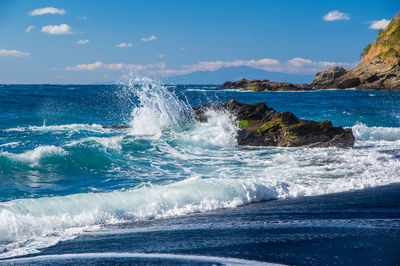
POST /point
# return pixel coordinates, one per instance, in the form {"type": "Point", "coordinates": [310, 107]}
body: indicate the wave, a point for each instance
{"type": "Point", "coordinates": [67, 127]}
{"type": "Point", "coordinates": [34, 156]}
{"type": "Point", "coordinates": [11, 144]}
{"type": "Point", "coordinates": [363, 132]}
{"type": "Point", "coordinates": [29, 224]}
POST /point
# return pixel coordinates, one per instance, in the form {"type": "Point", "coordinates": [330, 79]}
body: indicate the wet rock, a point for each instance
{"type": "Point", "coordinates": [263, 126]}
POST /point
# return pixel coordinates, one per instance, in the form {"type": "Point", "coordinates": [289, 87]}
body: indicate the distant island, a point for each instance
{"type": "Point", "coordinates": [379, 69]}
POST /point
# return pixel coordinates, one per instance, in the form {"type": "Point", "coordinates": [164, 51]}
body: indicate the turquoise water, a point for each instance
{"type": "Point", "coordinates": [63, 174]}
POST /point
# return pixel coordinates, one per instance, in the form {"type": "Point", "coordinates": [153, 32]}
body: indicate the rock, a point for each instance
{"type": "Point", "coordinates": [265, 85]}
{"type": "Point", "coordinates": [378, 70]}
{"type": "Point", "coordinates": [372, 75]}
{"type": "Point", "coordinates": [263, 126]}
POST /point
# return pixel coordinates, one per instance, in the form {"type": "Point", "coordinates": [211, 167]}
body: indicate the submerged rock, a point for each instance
{"type": "Point", "coordinates": [263, 126]}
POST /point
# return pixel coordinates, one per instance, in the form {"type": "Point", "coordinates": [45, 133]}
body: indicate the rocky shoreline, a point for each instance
{"type": "Point", "coordinates": [263, 126]}
{"type": "Point", "coordinates": [378, 70]}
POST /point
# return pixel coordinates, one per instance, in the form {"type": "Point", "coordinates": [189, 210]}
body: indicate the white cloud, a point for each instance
{"type": "Point", "coordinates": [307, 66]}
{"type": "Point", "coordinates": [295, 65]}
{"type": "Point", "coordinates": [151, 38]}
{"type": "Point", "coordinates": [160, 55]}
{"type": "Point", "coordinates": [83, 42]}
{"type": "Point", "coordinates": [82, 18]}
{"type": "Point", "coordinates": [336, 15]}
{"type": "Point", "coordinates": [298, 61]}
{"type": "Point", "coordinates": [123, 45]}
{"type": "Point", "coordinates": [88, 67]}
{"type": "Point", "coordinates": [46, 10]}
{"type": "Point", "coordinates": [379, 24]}
{"type": "Point", "coordinates": [29, 28]}
{"type": "Point", "coordinates": [4, 52]}
{"type": "Point", "coordinates": [118, 66]}
{"type": "Point", "coordinates": [57, 29]}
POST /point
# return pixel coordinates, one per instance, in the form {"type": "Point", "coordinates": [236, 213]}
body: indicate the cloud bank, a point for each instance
{"type": "Point", "coordinates": [118, 66]}
{"type": "Point", "coordinates": [295, 65]}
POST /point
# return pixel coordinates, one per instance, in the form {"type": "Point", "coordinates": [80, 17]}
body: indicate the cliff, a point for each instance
{"type": "Point", "coordinates": [378, 70]}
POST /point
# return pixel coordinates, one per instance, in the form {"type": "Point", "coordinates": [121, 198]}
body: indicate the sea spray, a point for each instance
{"type": "Point", "coordinates": [158, 108]}
{"type": "Point", "coordinates": [49, 173]}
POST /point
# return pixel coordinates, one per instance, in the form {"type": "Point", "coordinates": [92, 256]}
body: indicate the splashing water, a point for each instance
{"type": "Point", "coordinates": [83, 177]}
{"type": "Point", "coordinates": [158, 108]}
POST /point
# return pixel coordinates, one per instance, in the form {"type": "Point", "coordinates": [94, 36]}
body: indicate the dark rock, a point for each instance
{"type": "Point", "coordinates": [349, 83]}
{"type": "Point", "coordinates": [265, 85]}
{"type": "Point", "coordinates": [263, 126]}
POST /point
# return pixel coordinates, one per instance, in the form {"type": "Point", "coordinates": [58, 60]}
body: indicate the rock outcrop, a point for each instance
{"type": "Point", "coordinates": [378, 70]}
{"type": "Point", "coordinates": [263, 84]}
{"type": "Point", "coordinates": [263, 126]}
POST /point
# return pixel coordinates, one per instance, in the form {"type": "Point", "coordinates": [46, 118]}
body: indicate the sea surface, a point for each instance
{"type": "Point", "coordinates": [168, 189]}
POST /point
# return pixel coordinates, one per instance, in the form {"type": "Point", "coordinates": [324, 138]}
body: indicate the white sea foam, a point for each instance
{"type": "Point", "coordinates": [363, 132]}
{"type": "Point", "coordinates": [10, 144]}
{"type": "Point", "coordinates": [27, 224]}
{"type": "Point", "coordinates": [67, 127]}
{"type": "Point", "coordinates": [219, 131]}
{"type": "Point", "coordinates": [113, 142]}
{"type": "Point", "coordinates": [224, 176]}
{"type": "Point", "coordinates": [35, 155]}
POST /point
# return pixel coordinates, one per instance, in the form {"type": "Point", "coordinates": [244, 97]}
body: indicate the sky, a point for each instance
{"type": "Point", "coordinates": [84, 41]}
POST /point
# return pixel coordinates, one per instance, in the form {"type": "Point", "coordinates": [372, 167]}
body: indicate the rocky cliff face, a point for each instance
{"type": "Point", "coordinates": [379, 68]}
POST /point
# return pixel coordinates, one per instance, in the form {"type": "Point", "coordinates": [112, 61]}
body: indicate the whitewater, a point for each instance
{"type": "Point", "coordinates": [68, 176]}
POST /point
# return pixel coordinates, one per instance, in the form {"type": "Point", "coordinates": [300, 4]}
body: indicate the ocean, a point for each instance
{"type": "Point", "coordinates": [168, 189]}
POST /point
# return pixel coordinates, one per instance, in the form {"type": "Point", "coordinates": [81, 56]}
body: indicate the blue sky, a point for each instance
{"type": "Point", "coordinates": [96, 41]}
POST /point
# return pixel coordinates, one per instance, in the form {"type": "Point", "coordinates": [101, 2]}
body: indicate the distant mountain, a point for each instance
{"type": "Point", "coordinates": [236, 73]}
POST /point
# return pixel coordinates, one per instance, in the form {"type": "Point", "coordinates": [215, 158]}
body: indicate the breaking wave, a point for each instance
{"type": "Point", "coordinates": [199, 165]}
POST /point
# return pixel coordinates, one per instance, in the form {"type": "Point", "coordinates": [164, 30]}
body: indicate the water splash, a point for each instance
{"type": "Point", "coordinates": [158, 108]}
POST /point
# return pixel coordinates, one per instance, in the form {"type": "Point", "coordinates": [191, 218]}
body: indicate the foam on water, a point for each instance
{"type": "Point", "coordinates": [206, 170]}
{"type": "Point", "coordinates": [363, 132]}
{"type": "Point", "coordinates": [26, 224]}
{"type": "Point", "coordinates": [34, 156]}
{"type": "Point", "coordinates": [68, 127]}
{"type": "Point", "coordinates": [219, 131]}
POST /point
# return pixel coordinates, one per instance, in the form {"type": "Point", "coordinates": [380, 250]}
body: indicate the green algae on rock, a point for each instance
{"type": "Point", "coordinates": [260, 125]}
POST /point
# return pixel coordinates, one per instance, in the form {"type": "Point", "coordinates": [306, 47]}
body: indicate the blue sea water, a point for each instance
{"type": "Point", "coordinates": [70, 186]}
